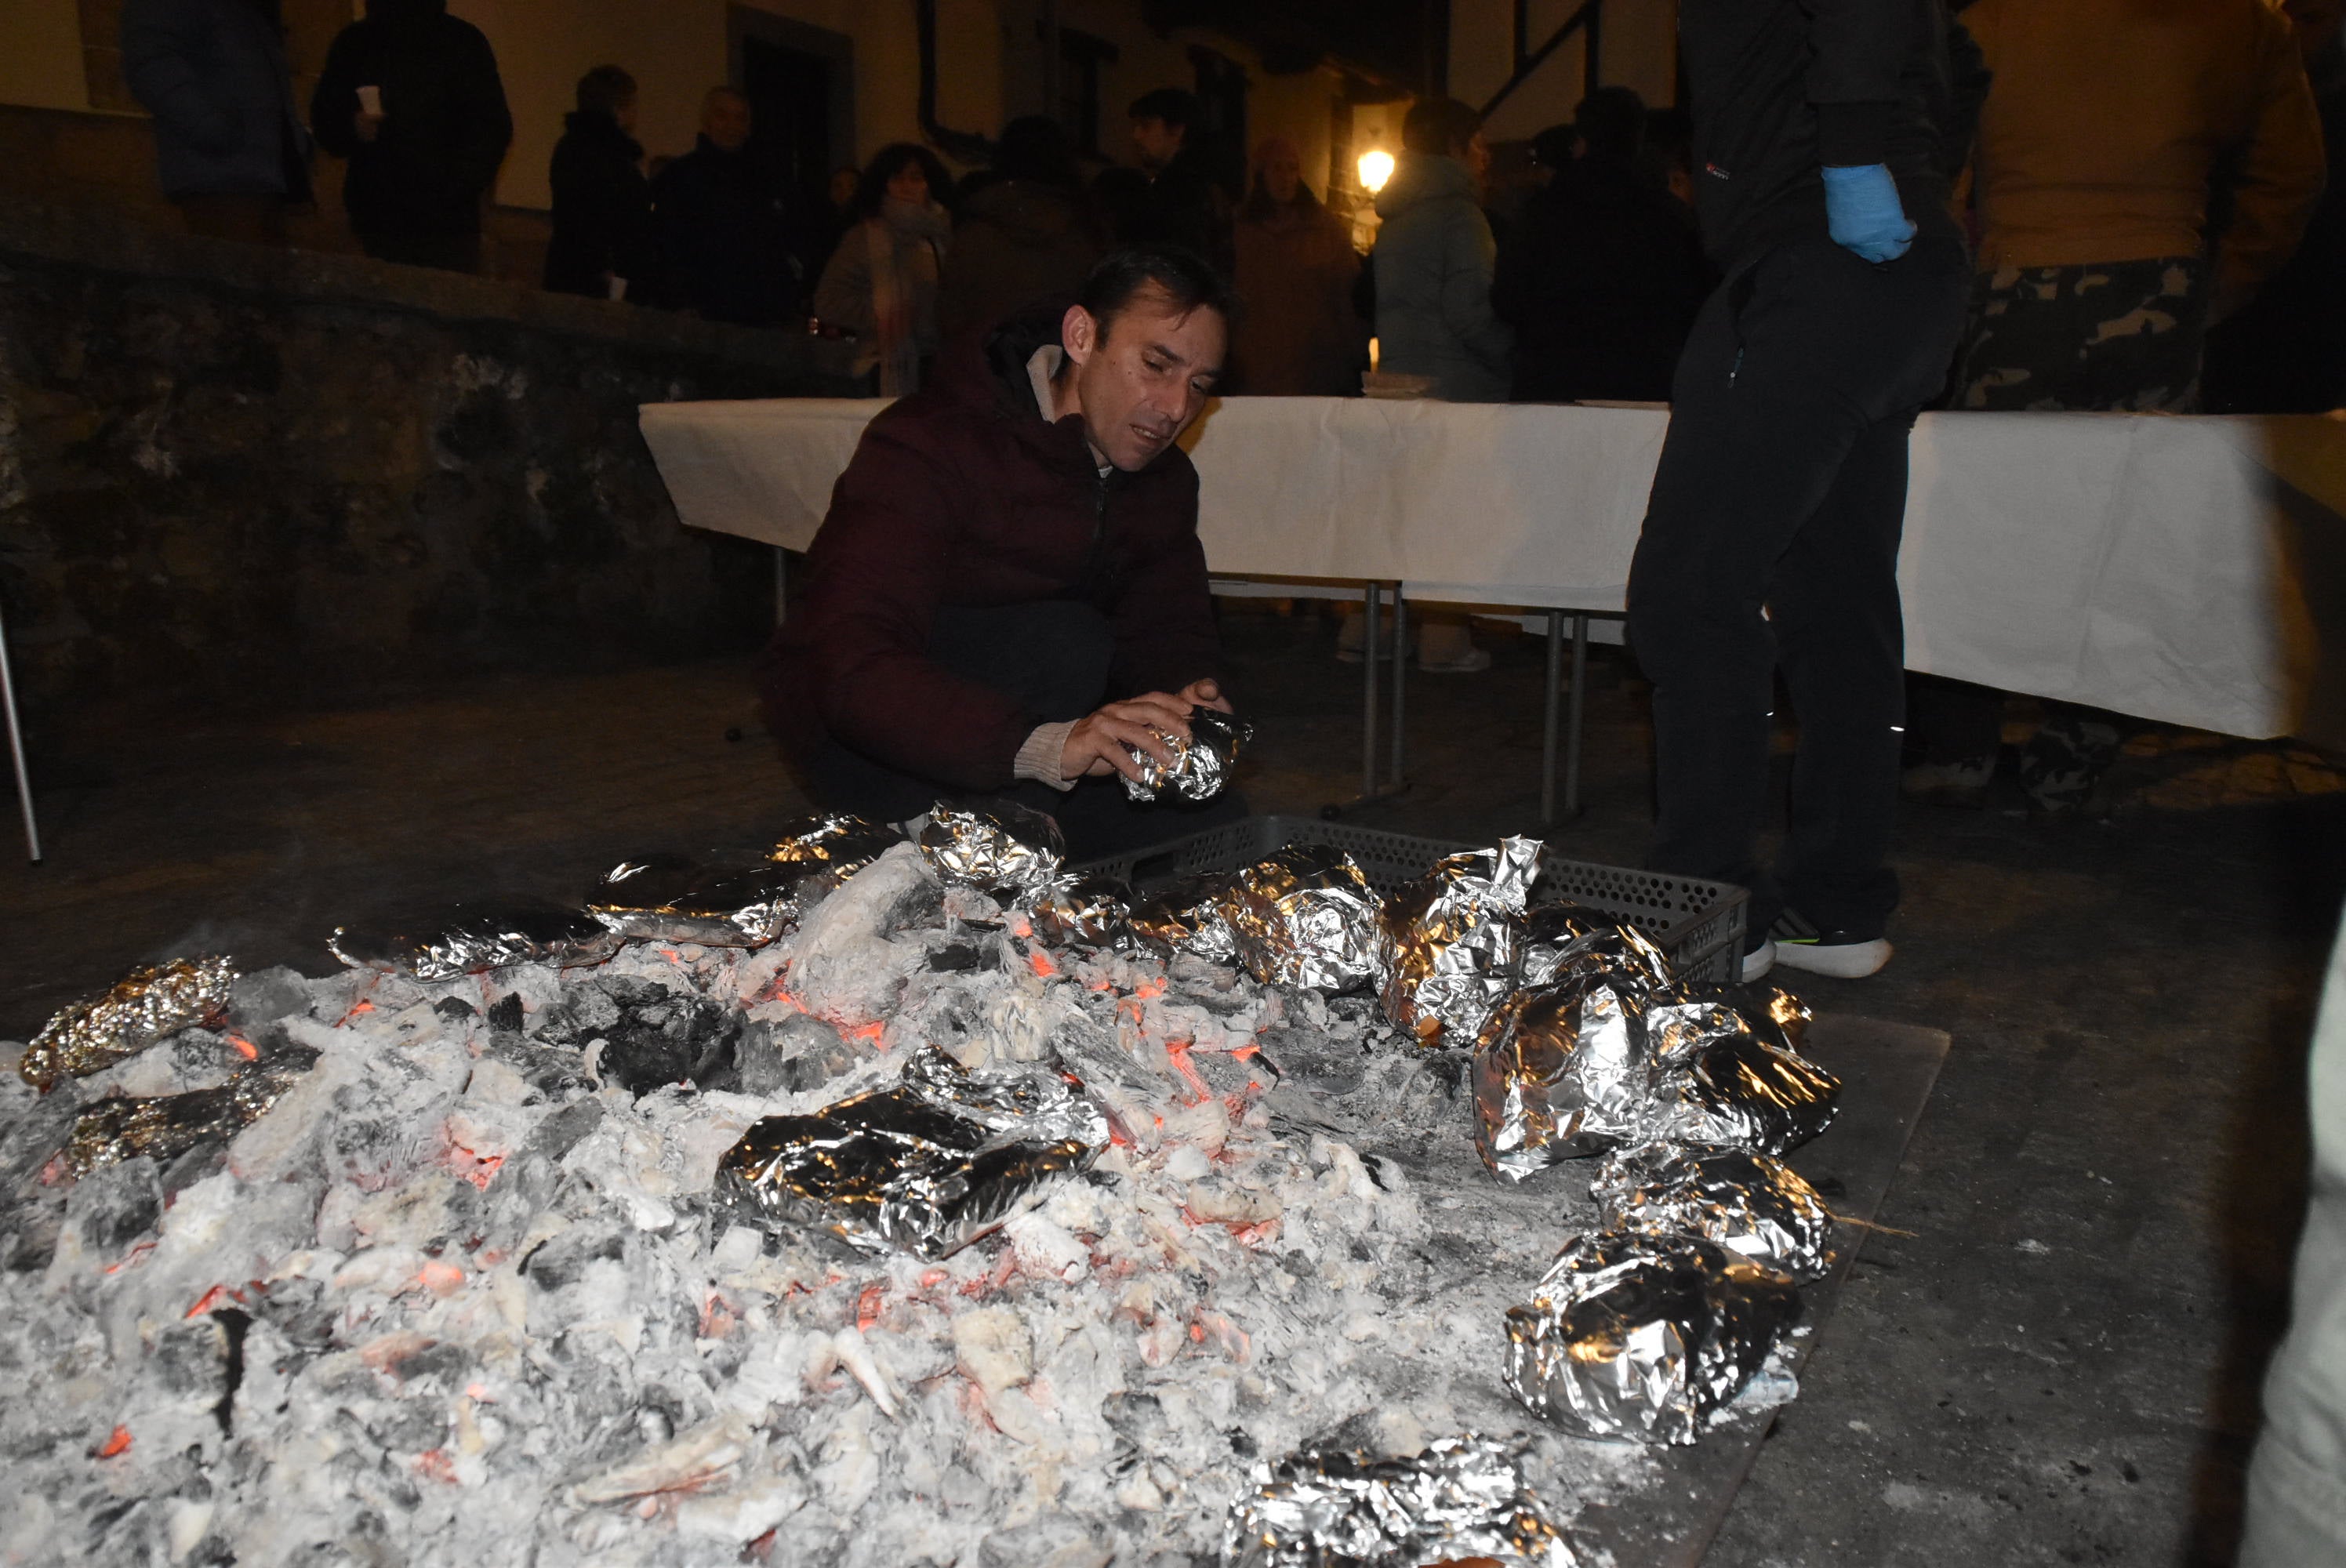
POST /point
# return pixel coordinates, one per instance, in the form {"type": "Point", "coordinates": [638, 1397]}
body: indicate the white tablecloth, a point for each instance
{"type": "Point", "coordinates": [2189, 570]}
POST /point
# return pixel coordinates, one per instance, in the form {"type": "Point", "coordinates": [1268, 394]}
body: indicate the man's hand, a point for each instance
{"type": "Point", "coordinates": [1102, 742]}
{"type": "Point", "coordinates": [1205, 694]}
{"type": "Point", "coordinates": [1863, 214]}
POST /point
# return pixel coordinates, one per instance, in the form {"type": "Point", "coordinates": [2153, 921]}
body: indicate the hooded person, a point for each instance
{"type": "Point", "coordinates": [1026, 231]}
{"type": "Point", "coordinates": [602, 244]}
{"type": "Point", "coordinates": [1296, 266]}
{"type": "Point", "coordinates": [1008, 596]}
{"type": "Point", "coordinates": [229, 145]}
{"type": "Point", "coordinates": [411, 96]}
{"type": "Point", "coordinates": [1434, 258]}
{"type": "Point", "coordinates": [881, 283]}
{"type": "Point", "coordinates": [730, 237]}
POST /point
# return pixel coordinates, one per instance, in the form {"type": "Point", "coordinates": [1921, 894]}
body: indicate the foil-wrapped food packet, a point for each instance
{"type": "Point", "coordinates": [474, 937]}
{"type": "Point", "coordinates": [672, 898]}
{"type": "Point", "coordinates": [1201, 761]}
{"type": "Point", "coordinates": [1641, 1337]}
{"type": "Point", "coordinates": [143, 1007]}
{"type": "Point", "coordinates": [925, 1167]}
{"type": "Point", "coordinates": [1750, 1204]}
{"type": "Point", "coordinates": [1555, 938]}
{"type": "Point", "coordinates": [1307, 916]}
{"type": "Point", "coordinates": [1001, 848]}
{"type": "Point", "coordinates": [1189, 915]}
{"type": "Point", "coordinates": [1562, 1071]}
{"type": "Point", "coordinates": [164, 1127]}
{"type": "Point", "coordinates": [837, 845]}
{"type": "Point", "coordinates": [1464, 1499]}
{"type": "Point", "coordinates": [1091, 910]}
{"type": "Point", "coordinates": [1449, 951]}
{"type": "Point", "coordinates": [1722, 1080]}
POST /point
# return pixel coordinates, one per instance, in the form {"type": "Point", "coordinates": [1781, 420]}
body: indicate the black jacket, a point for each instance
{"type": "Point", "coordinates": [445, 126]}
{"type": "Point", "coordinates": [730, 245]}
{"type": "Point", "coordinates": [602, 210]}
{"type": "Point", "coordinates": [1601, 281]}
{"type": "Point", "coordinates": [1781, 87]}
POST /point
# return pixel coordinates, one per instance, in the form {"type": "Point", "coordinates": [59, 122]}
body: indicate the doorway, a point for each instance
{"type": "Point", "coordinates": [801, 84]}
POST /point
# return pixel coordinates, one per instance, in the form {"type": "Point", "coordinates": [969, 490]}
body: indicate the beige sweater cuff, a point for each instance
{"type": "Point", "coordinates": [1044, 750]}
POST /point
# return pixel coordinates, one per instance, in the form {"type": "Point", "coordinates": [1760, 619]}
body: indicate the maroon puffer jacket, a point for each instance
{"type": "Point", "coordinates": [963, 495]}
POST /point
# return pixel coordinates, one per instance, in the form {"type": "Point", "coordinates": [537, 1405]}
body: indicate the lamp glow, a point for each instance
{"type": "Point", "coordinates": [1376, 167]}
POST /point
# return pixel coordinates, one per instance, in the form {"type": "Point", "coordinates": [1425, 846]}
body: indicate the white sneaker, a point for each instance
{"type": "Point", "coordinates": [1758, 961]}
{"type": "Point", "coordinates": [1799, 945]}
{"type": "Point", "coordinates": [1473, 661]}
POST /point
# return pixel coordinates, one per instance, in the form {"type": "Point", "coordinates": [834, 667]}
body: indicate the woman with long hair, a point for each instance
{"type": "Point", "coordinates": [881, 282]}
{"type": "Point", "coordinates": [1300, 336]}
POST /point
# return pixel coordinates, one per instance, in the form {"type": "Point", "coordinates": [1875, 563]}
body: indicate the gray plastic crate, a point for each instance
{"type": "Point", "coordinates": [1698, 924]}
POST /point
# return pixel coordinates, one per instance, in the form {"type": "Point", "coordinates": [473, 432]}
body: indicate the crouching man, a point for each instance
{"type": "Point", "coordinates": [1008, 593]}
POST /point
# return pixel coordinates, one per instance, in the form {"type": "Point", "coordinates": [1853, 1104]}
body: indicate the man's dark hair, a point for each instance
{"type": "Point", "coordinates": [1611, 121]}
{"type": "Point", "coordinates": [1441, 125]}
{"type": "Point", "coordinates": [1552, 148]}
{"type": "Point", "coordinates": [603, 89]}
{"type": "Point", "coordinates": [1171, 105]}
{"type": "Point", "coordinates": [1186, 280]}
{"type": "Point", "coordinates": [1036, 148]}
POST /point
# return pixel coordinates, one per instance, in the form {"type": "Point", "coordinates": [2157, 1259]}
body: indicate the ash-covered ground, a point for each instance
{"type": "Point", "coordinates": [464, 1294]}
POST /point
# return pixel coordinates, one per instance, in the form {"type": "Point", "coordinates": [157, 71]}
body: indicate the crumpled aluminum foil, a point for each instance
{"type": "Point", "coordinates": [1562, 1071]}
{"type": "Point", "coordinates": [1727, 1080]}
{"type": "Point", "coordinates": [840, 844]}
{"type": "Point", "coordinates": [1640, 1337]}
{"type": "Point", "coordinates": [1188, 916]}
{"type": "Point", "coordinates": [1306, 915]}
{"type": "Point", "coordinates": [1449, 950]}
{"type": "Point", "coordinates": [1002, 849]}
{"type": "Point", "coordinates": [141, 1008]}
{"type": "Point", "coordinates": [1555, 938]}
{"type": "Point", "coordinates": [670, 898]}
{"type": "Point", "coordinates": [1750, 1204]}
{"type": "Point", "coordinates": [925, 1167]}
{"type": "Point", "coordinates": [164, 1127]}
{"type": "Point", "coordinates": [1094, 911]}
{"type": "Point", "coordinates": [470, 939]}
{"type": "Point", "coordinates": [1201, 762]}
{"type": "Point", "coordinates": [1464, 1498]}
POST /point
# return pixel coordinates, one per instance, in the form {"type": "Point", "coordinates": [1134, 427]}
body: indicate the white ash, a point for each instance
{"type": "Point", "coordinates": [457, 1300]}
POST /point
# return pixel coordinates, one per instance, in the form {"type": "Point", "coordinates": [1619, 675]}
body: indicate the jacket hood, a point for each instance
{"type": "Point", "coordinates": [1028, 213]}
{"type": "Point", "coordinates": [1422, 177]}
{"type": "Point", "coordinates": [405, 13]}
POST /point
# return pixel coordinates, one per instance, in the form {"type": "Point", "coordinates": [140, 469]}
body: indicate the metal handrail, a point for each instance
{"type": "Point", "coordinates": [1588, 19]}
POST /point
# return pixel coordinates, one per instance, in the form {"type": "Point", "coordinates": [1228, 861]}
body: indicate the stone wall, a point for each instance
{"type": "Point", "coordinates": [235, 475]}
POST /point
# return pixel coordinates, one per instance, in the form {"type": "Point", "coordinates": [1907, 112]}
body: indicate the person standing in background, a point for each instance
{"type": "Point", "coordinates": [2126, 197]}
{"type": "Point", "coordinates": [1300, 336]}
{"type": "Point", "coordinates": [1604, 280]}
{"type": "Point", "coordinates": [602, 245]}
{"type": "Point", "coordinates": [229, 144]}
{"type": "Point", "coordinates": [882, 283]}
{"type": "Point", "coordinates": [1827, 133]}
{"type": "Point", "coordinates": [1184, 206]}
{"type": "Point", "coordinates": [412, 98]}
{"type": "Point", "coordinates": [1434, 260]}
{"type": "Point", "coordinates": [1025, 231]}
{"type": "Point", "coordinates": [727, 235]}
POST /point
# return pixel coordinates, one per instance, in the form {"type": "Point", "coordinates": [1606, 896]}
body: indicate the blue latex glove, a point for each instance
{"type": "Point", "coordinates": [1864, 215]}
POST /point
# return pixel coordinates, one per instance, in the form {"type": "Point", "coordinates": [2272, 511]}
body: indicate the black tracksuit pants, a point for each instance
{"type": "Point", "coordinates": [1771, 540]}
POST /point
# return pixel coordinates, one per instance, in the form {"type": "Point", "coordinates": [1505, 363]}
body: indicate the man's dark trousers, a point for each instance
{"type": "Point", "coordinates": [1053, 658]}
{"type": "Point", "coordinates": [1772, 539]}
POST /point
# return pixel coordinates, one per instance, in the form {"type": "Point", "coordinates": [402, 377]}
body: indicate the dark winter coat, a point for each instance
{"type": "Point", "coordinates": [728, 244]}
{"type": "Point", "coordinates": [445, 126]}
{"type": "Point", "coordinates": [213, 75]}
{"type": "Point", "coordinates": [1601, 282]}
{"type": "Point", "coordinates": [1781, 87]}
{"type": "Point", "coordinates": [602, 210]}
{"type": "Point", "coordinates": [1015, 241]}
{"type": "Point", "coordinates": [964, 496]}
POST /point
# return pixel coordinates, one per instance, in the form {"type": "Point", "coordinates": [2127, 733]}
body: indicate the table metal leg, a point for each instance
{"type": "Point", "coordinates": [1371, 598]}
{"type": "Point", "coordinates": [1579, 711]}
{"type": "Point", "coordinates": [1553, 699]}
{"type": "Point", "coordinates": [1401, 686]}
{"type": "Point", "coordinates": [16, 750]}
{"type": "Point", "coordinates": [782, 583]}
